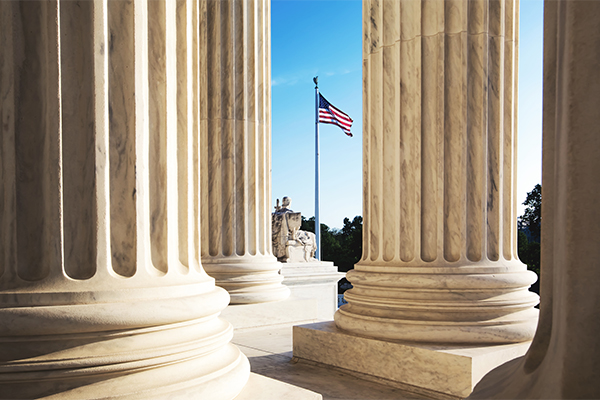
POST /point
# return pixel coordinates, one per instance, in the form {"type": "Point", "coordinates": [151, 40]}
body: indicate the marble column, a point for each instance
{"type": "Point", "coordinates": [235, 142]}
{"type": "Point", "coordinates": [102, 293]}
{"type": "Point", "coordinates": [562, 362]}
{"type": "Point", "coordinates": [439, 258]}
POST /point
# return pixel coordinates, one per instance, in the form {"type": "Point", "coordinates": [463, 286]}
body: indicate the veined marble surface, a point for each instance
{"type": "Point", "coordinates": [438, 372]}
{"type": "Point", "coordinates": [562, 360]}
{"type": "Point", "coordinates": [439, 259]}
{"type": "Point", "coordinates": [101, 288]}
{"type": "Point", "coordinates": [235, 147]}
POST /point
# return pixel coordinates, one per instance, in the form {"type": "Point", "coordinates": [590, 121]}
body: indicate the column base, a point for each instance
{"type": "Point", "coordinates": [248, 279]}
{"type": "Point", "coordinates": [470, 305]}
{"type": "Point", "coordinates": [137, 346]}
{"type": "Point", "coordinates": [83, 369]}
{"type": "Point", "coordinates": [514, 328]}
{"type": "Point", "coordinates": [439, 372]}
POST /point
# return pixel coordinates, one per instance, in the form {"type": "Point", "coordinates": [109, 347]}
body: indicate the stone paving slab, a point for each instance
{"type": "Point", "coordinates": [270, 353]}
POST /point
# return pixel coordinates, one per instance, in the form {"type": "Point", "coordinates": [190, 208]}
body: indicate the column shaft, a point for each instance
{"type": "Point", "coordinates": [439, 261]}
{"type": "Point", "coordinates": [236, 145]}
{"type": "Point", "coordinates": [101, 288]}
{"type": "Point", "coordinates": [561, 362]}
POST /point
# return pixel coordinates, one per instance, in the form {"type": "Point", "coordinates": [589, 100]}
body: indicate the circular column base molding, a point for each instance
{"type": "Point", "coordinates": [144, 348]}
{"type": "Point", "coordinates": [455, 307]}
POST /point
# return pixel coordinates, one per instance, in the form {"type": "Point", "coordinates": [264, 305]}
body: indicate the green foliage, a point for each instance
{"type": "Point", "coordinates": [308, 224]}
{"type": "Point", "coordinates": [529, 253]}
{"type": "Point", "coordinates": [530, 225]}
{"type": "Point", "coordinates": [342, 246]}
{"type": "Point", "coordinates": [531, 220]}
{"type": "Point", "coordinates": [350, 237]}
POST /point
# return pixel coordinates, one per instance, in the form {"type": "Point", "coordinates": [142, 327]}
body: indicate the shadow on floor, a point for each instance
{"type": "Point", "coordinates": [330, 383]}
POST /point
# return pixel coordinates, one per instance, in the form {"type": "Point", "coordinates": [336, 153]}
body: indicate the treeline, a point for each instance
{"type": "Point", "coordinates": [530, 227]}
{"type": "Point", "coordinates": [342, 246]}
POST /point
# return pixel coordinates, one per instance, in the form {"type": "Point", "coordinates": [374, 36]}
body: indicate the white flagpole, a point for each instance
{"type": "Point", "coordinates": [317, 172]}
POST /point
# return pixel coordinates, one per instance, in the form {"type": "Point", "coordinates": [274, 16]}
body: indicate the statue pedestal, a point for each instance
{"type": "Point", "coordinates": [297, 253]}
{"type": "Point", "coordinates": [314, 280]}
{"type": "Point", "coordinates": [313, 288]}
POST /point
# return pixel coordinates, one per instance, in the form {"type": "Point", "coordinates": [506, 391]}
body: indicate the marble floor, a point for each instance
{"type": "Point", "coordinates": [269, 350]}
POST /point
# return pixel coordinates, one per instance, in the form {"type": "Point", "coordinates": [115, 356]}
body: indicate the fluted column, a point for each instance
{"type": "Point", "coordinates": [236, 150]}
{"type": "Point", "coordinates": [101, 289]}
{"type": "Point", "coordinates": [562, 360]}
{"type": "Point", "coordinates": [439, 110]}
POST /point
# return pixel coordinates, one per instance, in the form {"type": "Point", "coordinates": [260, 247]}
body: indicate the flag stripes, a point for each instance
{"type": "Point", "coordinates": [329, 114]}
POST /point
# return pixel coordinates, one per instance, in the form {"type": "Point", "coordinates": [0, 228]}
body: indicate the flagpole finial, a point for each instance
{"type": "Point", "coordinates": [316, 81]}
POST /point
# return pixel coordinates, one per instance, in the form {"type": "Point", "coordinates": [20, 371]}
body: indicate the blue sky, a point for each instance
{"type": "Point", "coordinates": [324, 38]}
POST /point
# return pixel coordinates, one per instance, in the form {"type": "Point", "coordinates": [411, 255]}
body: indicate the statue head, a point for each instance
{"type": "Point", "coordinates": [286, 202]}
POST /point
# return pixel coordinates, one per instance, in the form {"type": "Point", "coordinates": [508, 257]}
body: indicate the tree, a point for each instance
{"type": "Point", "coordinates": [531, 220]}
{"type": "Point", "coordinates": [330, 247]}
{"type": "Point", "coordinates": [350, 239]}
{"type": "Point", "coordinates": [529, 253]}
{"type": "Point", "coordinates": [343, 246]}
{"type": "Point", "coordinates": [529, 225]}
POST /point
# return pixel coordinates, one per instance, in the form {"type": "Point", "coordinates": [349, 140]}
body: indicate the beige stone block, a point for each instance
{"type": "Point", "coordinates": [432, 17]}
{"type": "Point", "coordinates": [390, 28]}
{"type": "Point", "coordinates": [439, 371]}
{"type": "Point", "coordinates": [455, 18]}
{"type": "Point", "coordinates": [511, 20]}
{"type": "Point", "coordinates": [410, 20]}
{"type": "Point", "coordinates": [478, 16]}
{"type": "Point", "coordinates": [496, 22]}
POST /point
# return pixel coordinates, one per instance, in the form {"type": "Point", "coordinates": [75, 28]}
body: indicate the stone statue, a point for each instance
{"type": "Point", "coordinates": [290, 244]}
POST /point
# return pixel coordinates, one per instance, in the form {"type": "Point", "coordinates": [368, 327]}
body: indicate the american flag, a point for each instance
{"type": "Point", "coordinates": [328, 114]}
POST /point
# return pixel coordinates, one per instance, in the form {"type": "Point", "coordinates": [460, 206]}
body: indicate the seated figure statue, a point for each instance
{"type": "Point", "coordinates": [290, 244]}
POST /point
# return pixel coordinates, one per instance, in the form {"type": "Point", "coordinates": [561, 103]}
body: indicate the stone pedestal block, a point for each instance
{"type": "Point", "coordinates": [314, 297]}
{"type": "Point", "coordinates": [314, 280]}
{"type": "Point", "coordinates": [434, 371]}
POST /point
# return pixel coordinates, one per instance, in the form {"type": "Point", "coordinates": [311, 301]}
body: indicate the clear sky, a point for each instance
{"type": "Point", "coordinates": [324, 38]}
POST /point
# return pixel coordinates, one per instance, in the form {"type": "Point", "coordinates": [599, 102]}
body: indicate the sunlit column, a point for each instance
{"type": "Point", "coordinates": [439, 111]}
{"type": "Point", "coordinates": [236, 144]}
{"type": "Point", "coordinates": [561, 360]}
{"type": "Point", "coordinates": [101, 288]}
